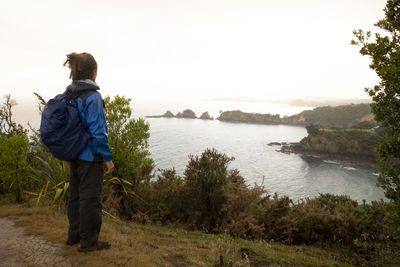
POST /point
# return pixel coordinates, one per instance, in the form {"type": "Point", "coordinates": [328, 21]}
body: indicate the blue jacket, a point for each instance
{"type": "Point", "coordinates": [91, 111]}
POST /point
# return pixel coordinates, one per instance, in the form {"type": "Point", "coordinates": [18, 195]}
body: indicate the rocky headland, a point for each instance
{"type": "Point", "coordinates": [351, 145]}
{"type": "Point", "coordinates": [345, 116]}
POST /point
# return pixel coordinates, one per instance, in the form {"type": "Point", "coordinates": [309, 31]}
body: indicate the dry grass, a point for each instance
{"type": "Point", "coordinates": [153, 245]}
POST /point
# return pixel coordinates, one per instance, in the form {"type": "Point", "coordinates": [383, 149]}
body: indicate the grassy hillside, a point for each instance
{"type": "Point", "coordinates": [154, 245]}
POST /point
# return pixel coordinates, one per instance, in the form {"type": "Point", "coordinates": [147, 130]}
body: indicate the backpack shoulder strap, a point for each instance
{"type": "Point", "coordinates": [85, 94]}
{"type": "Point", "coordinates": [82, 95]}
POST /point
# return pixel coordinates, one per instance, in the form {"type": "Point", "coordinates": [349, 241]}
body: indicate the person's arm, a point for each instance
{"type": "Point", "coordinates": [97, 128]}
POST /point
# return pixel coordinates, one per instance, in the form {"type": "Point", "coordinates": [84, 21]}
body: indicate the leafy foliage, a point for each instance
{"type": "Point", "coordinates": [14, 168]}
{"type": "Point", "coordinates": [384, 52]}
{"type": "Point", "coordinates": [205, 178]}
{"type": "Point", "coordinates": [49, 175]}
{"type": "Point", "coordinates": [168, 197]}
{"type": "Point", "coordinates": [213, 198]}
{"type": "Point", "coordinates": [14, 146]}
{"type": "Point", "coordinates": [312, 129]}
{"type": "Point", "coordinates": [128, 139]}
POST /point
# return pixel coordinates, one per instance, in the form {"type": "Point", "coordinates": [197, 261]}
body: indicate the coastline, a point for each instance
{"type": "Point", "coordinates": [355, 159]}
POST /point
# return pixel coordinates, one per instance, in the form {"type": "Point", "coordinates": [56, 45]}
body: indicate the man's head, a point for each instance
{"type": "Point", "coordinates": [82, 66]}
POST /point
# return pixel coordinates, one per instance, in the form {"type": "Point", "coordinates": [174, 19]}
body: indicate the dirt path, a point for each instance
{"type": "Point", "coordinates": [18, 249]}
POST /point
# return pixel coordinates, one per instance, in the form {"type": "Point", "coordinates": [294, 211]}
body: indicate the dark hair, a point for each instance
{"type": "Point", "coordinates": [82, 65]}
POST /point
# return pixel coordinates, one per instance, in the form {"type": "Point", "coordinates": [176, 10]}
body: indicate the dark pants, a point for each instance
{"type": "Point", "coordinates": [84, 203]}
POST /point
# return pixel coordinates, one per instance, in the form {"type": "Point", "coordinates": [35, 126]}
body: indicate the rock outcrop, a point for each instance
{"type": "Point", "coordinates": [205, 116]}
{"type": "Point", "coordinates": [187, 113]}
{"type": "Point", "coordinates": [354, 145]}
{"type": "Point", "coordinates": [167, 114]}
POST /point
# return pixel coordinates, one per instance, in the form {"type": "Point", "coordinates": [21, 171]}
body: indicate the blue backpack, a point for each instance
{"type": "Point", "coordinates": [61, 129]}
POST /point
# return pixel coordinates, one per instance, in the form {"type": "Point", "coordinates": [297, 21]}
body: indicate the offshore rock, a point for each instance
{"type": "Point", "coordinates": [187, 113]}
{"type": "Point", "coordinates": [205, 116]}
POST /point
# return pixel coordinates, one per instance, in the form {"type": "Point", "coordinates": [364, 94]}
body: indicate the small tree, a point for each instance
{"type": "Point", "coordinates": [14, 147]}
{"type": "Point", "coordinates": [205, 177]}
{"type": "Point", "coordinates": [385, 55]}
{"type": "Point", "coordinates": [14, 168]}
{"type": "Point", "coordinates": [312, 129]}
{"type": "Point", "coordinates": [7, 124]}
{"type": "Point", "coordinates": [128, 139]}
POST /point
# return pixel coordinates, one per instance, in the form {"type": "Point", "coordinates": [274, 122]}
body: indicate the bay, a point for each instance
{"type": "Point", "coordinates": [172, 140]}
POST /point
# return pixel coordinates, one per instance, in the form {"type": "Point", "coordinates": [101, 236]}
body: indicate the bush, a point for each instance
{"type": "Point", "coordinates": [14, 168]}
{"type": "Point", "coordinates": [213, 198]}
{"type": "Point", "coordinates": [205, 177]}
{"type": "Point", "coordinates": [242, 207]}
{"type": "Point", "coordinates": [50, 175]}
{"type": "Point", "coordinates": [312, 129]}
{"type": "Point", "coordinates": [168, 198]}
{"type": "Point", "coordinates": [128, 139]}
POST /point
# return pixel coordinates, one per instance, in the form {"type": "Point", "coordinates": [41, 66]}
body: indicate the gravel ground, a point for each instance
{"type": "Point", "coordinates": [18, 249]}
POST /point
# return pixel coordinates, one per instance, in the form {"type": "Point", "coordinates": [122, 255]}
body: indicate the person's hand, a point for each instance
{"type": "Point", "coordinates": [110, 167]}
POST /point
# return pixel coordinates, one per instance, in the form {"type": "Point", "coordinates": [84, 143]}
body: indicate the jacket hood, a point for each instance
{"type": "Point", "coordinates": [78, 86]}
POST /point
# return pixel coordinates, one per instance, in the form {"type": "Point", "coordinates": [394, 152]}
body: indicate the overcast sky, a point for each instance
{"type": "Point", "coordinates": [187, 48]}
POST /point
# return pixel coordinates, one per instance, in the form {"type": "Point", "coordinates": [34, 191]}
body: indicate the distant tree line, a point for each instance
{"type": "Point", "coordinates": [345, 116]}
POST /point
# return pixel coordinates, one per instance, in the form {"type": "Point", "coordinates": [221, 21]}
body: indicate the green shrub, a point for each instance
{"type": "Point", "coordinates": [312, 129]}
{"type": "Point", "coordinates": [241, 208]}
{"type": "Point", "coordinates": [211, 197]}
{"type": "Point", "coordinates": [205, 177]}
{"type": "Point", "coordinates": [128, 139]}
{"type": "Point", "coordinates": [275, 218]}
{"type": "Point", "coordinates": [168, 198]}
{"type": "Point", "coordinates": [14, 168]}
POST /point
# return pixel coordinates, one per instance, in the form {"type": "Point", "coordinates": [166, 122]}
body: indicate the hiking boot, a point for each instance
{"type": "Point", "coordinates": [100, 245]}
{"type": "Point", "coordinates": [72, 242]}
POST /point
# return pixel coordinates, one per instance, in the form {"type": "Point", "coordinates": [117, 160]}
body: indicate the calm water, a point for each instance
{"type": "Point", "coordinates": [172, 140]}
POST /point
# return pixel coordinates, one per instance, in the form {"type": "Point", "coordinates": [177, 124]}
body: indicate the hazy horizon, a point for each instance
{"type": "Point", "coordinates": [27, 110]}
{"type": "Point", "coordinates": [190, 48]}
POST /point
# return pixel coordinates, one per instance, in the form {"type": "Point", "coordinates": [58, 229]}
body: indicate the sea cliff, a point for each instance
{"type": "Point", "coordinates": [353, 145]}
